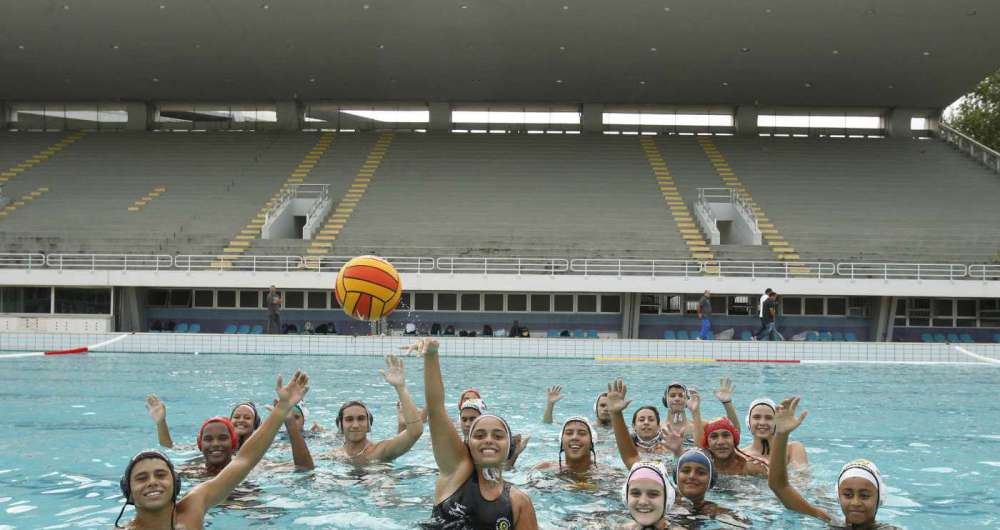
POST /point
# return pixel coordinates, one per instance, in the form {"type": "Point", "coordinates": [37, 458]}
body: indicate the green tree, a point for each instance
{"type": "Point", "coordinates": [978, 115]}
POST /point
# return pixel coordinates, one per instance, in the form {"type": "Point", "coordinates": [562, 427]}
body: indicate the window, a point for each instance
{"type": "Point", "coordinates": [665, 119]}
{"type": "Point", "coordinates": [83, 301]}
{"type": "Point", "coordinates": [809, 121]}
{"type": "Point", "coordinates": [541, 302]}
{"type": "Point", "coordinates": [204, 298]}
{"type": "Point", "coordinates": [611, 303]}
{"type": "Point", "coordinates": [225, 298]}
{"type": "Point", "coordinates": [791, 305]}
{"type": "Point", "coordinates": [157, 298]}
{"type": "Point", "coordinates": [316, 299]}
{"type": "Point", "coordinates": [294, 299]}
{"type": "Point", "coordinates": [60, 116]}
{"type": "Point", "coordinates": [965, 308]}
{"type": "Point", "coordinates": [27, 300]}
{"type": "Point", "coordinates": [836, 306]}
{"type": "Point", "coordinates": [471, 302]}
{"type": "Point", "coordinates": [649, 304]}
{"type": "Point", "coordinates": [814, 306]}
{"type": "Point", "coordinates": [205, 116]}
{"type": "Point", "coordinates": [334, 304]}
{"type": "Point", "coordinates": [447, 301]}
{"type": "Point", "coordinates": [515, 117]}
{"type": "Point", "coordinates": [517, 302]}
{"type": "Point", "coordinates": [355, 117]}
{"type": "Point", "coordinates": [563, 303]}
{"type": "Point", "coordinates": [493, 302]}
{"type": "Point", "coordinates": [944, 307]}
{"type": "Point", "coordinates": [249, 300]}
{"type": "Point", "coordinates": [739, 305]}
{"type": "Point", "coordinates": [180, 298]}
{"type": "Point", "coordinates": [424, 301]}
{"type": "Point", "coordinates": [671, 303]}
{"type": "Point", "coordinates": [586, 303]}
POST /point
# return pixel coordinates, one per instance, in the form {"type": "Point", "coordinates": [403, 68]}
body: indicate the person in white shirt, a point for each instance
{"type": "Point", "coordinates": [760, 313]}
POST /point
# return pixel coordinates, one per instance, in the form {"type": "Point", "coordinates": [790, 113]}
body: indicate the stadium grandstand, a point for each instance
{"type": "Point", "coordinates": [537, 167]}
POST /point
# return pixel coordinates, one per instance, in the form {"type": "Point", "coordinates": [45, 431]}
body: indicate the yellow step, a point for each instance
{"type": "Point", "coordinates": [789, 257]}
{"type": "Point", "coordinates": [239, 243]}
{"type": "Point", "coordinates": [133, 208]}
{"type": "Point", "coordinates": [321, 244]}
{"type": "Point", "coordinates": [244, 237]}
{"type": "Point", "coordinates": [691, 236]}
{"type": "Point", "coordinates": [232, 250]}
{"type": "Point", "coordinates": [702, 255]}
{"type": "Point", "coordinates": [325, 238]}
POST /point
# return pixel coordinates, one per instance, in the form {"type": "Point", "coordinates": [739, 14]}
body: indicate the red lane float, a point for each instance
{"type": "Point", "coordinates": [84, 349]}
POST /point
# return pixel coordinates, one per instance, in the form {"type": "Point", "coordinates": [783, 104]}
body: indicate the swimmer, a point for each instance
{"type": "Point", "coordinates": [470, 491]}
{"type": "Point", "coordinates": [153, 485]}
{"type": "Point", "coordinates": [577, 443]}
{"type": "Point", "coordinates": [676, 399]}
{"type": "Point", "coordinates": [355, 421]}
{"type": "Point", "coordinates": [860, 488]}
{"type": "Point", "coordinates": [601, 412]}
{"type": "Point", "coordinates": [469, 393]}
{"type": "Point", "coordinates": [602, 418]}
{"type": "Point", "coordinates": [217, 442]}
{"type": "Point", "coordinates": [760, 424]}
{"type": "Point", "coordinates": [401, 421]}
{"type": "Point", "coordinates": [295, 425]}
{"type": "Point", "coordinates": [553, 396]}
{"type": "Point", "coordinates": [648, 496]}
{"type": "Point", "coordinates": [722, 439]}
{"type": "Point", "coordinates": [474, 407]}
{"type": "Point", "coordinates": [244, 419]}
{"type": "Point", "coordinates": [669, 441]}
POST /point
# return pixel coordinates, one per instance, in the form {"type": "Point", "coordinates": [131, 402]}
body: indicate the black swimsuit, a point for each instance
{"type": "Point", "coordinates": [466, 509]}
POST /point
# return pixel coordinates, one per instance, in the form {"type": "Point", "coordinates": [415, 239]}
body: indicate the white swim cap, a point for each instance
{"type": "Point", "coordinates": [867, 470]}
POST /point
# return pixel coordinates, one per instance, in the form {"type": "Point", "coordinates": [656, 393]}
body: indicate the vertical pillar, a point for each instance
{"type": "Point", "coordinates": [897, 123]}
{"type": "Point", "coordinates": [4, 115]}
{"type": "Point", "coordinates": [746, 120]}
{"type": "Point", "coordinates": [440, 116]}
{"type": "Point", "coordinates": [592, 118]}
{"type": "Point", "coordinates": [289, 115]}
{"type": "Point", "coordinates": [140, 116]}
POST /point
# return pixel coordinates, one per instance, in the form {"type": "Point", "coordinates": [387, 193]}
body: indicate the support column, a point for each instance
{"type": "Point", "coordinates": [289, 114]}
{"type": "Point", "coordinates": [897, 123]}
{"type": "Point", "coordinates": [4, 115]}
{"type": "Point", "coordinates": [592, 118]}
{"type": "Point", "coordinates": [440, 116]}
{"type": "Point", "coordinates": [746, 120]}
{"type": "Point", "coordinates": [140, 116]}
{"type": "Point", "coordinates": [630, 316]}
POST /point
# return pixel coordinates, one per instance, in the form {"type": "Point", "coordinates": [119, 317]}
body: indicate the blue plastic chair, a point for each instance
{"type": "Point", "coordinates": [552, 333]}
{"type": "Point", "coordinates": [578, 334]}
{"type": "Point", "coordinates": [996, 338]}
{"type": "Point", "coordinates": [966, 338]}
{"type": "Point", "coordinates": [837, 336]}
{"type": "Point", "coordinates": [953, 338]}
{"type": "Point", "coordinates": [825, 336]}
{"type": "Point", "coordinates": [683, 335]}
{"type": "Point", "coordinates": [939, 337]}
{"type": "Point", "coordinates": [812, 336]}
{"type": "Point", "coordinates": [850, 336]}
{"type": "Point", "coordinates": [195, 328]}
{"type": "Point", "coordinates": [181, 328]}
{"type": "Point", "coordinates": [592, 334]}
{"type": "Point", "coordinates": [670, 335]}
{"type": "Point", "coordinates": [230, 329]}
{"type": "Point", "coordinates": [927, 337]}
{"type": "Point", "coordinates": [244, 329]}
{"type": "Point", "coordinates": [257, 329]}
{"type": "Point", "coordinates": [746, 335]}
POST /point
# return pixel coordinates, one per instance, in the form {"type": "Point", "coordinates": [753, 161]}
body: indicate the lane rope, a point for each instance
{"type": "Point", "coordinates": [70, 351]}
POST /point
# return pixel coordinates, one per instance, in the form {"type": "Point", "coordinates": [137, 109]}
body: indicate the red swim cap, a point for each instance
{"type": "Point", "coordinates": [717, 424]}
{"type": "Point", "coordinates": [229, 427]}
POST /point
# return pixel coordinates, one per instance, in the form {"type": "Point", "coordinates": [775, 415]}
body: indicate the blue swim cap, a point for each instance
{"type": "Point", "coordinates": [697, 456]}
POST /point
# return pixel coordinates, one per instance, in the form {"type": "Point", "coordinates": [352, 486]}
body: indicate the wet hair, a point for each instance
{"type": "Point", "coordinates": [125, 483]}
{"type": "Point", "coordinates": [635, 415]}
{"type": "Point", "coordinates": [253, 407]}
{"type": "Point", "coordinates": [353, 403]}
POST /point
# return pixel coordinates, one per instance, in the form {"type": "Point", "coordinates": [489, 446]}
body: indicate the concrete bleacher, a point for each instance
{"type": "Point", "coordinates": [514, 195]}
{"type": "Point", "coordinates": [882, 200]}
{"type": "Point", "coordinates": [506, 195]}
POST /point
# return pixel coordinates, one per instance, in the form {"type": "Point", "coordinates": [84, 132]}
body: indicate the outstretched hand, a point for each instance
{"type": "Point", "coordinates": [394, 372]}
{"type": "Point", "coordinates": [673, 438]}
{"type": "Point", "coordinates": [520, 444]}
{"type": "Point", "coordinates": [289, 395]}
{"type": "Point", "coordinates": [616, 396]}
{"type": "Point", "coordinates": [784, 417]}
{"type": "Point", "coordinates": [426, 346]}
{"type": "Point", "coordinates": [694, 400]}
{"type": "Point", "coordinates": [555, 393]}
{"type": "Point", "coordinates": [156, 407]}
{"type": "Point", "coordinates": [725, 392]}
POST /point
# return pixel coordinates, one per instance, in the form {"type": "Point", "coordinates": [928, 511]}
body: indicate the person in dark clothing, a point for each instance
{"type": "Point", "coordinates": [273, 307]}
{"type": "Point", "coordinates": [515, 329]}
{"type": "Point", "coordinates": [450, 331]}
{"type": "Point", "coordinates": [771, 318]}
{"type": "Point", "coordinates": [435, 329]}
{"type": "Point", "coordinates": [705, 315]}
{"type": "Point", "coordinates": [487, 330]}
{"type": "Point", "coordinates": [760, 312]}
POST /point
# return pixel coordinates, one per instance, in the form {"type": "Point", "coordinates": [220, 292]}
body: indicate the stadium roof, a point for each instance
{"type": "Point", "coordinates": [902, 53]}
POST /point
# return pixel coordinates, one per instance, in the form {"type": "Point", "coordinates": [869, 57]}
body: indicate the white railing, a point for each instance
{"type": "Point", "coordinates": [112, 262]}
{"type": "Point", "coordinates": [984, 272]}
{"type": "Point", "coordinates": [730, 195]}
{"type": "Point", "coordinates": [636, 267]}
{"type": "Point", "coordinates": [488, 265]}
{"type": "Point", "coordinates": [298, 191]}
{"type": "Point", "coordinates": [499, 265]}
{"type": "Point", "coordinates": [903, 271]}
{"type": "Point", "coordinates": [22, 261]}
{"type": "Point", "coordinates": [989, 157]}
{"type": "Point", "coordinates": [245, 263]}
{"type": "Point", "coordinates": [770, 269]}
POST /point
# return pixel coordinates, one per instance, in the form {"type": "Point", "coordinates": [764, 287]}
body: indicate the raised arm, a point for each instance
{"type": "Point", "coordinates": [554, 394]}
{"type": "Point", "coordinates": [785, 422]}
{"type": "Point", "coordinates": [216, 489]}
{"type": "Point", "coordinates": [449, 451]}
{"type": "Point", "coordinates": [300, 451]}
{"type": "Point", "coordinates": [725, 396]}
{"type": "Point", "coordinates": [395, 375]}
{"type": "Point", "coordinates": [616, 406]}
{"type": "Point", "coordinates": [694, 405]}
{"type": "Point", "coordinates": [158, 411]}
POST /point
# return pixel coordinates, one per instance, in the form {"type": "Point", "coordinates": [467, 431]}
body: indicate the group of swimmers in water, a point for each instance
{"type": "Point", "coordinates": [673, 462]}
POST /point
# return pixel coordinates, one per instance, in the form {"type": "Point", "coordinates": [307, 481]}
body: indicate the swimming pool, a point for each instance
{"type": "Point", "coordinates": [70, 424]}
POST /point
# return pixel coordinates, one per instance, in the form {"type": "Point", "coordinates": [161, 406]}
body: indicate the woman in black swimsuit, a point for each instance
{"type": "Point", "coordinates": [470, 493]}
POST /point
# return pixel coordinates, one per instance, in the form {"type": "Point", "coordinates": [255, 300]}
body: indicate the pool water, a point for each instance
{"type": "Point", "coordinates": [69, 425]}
